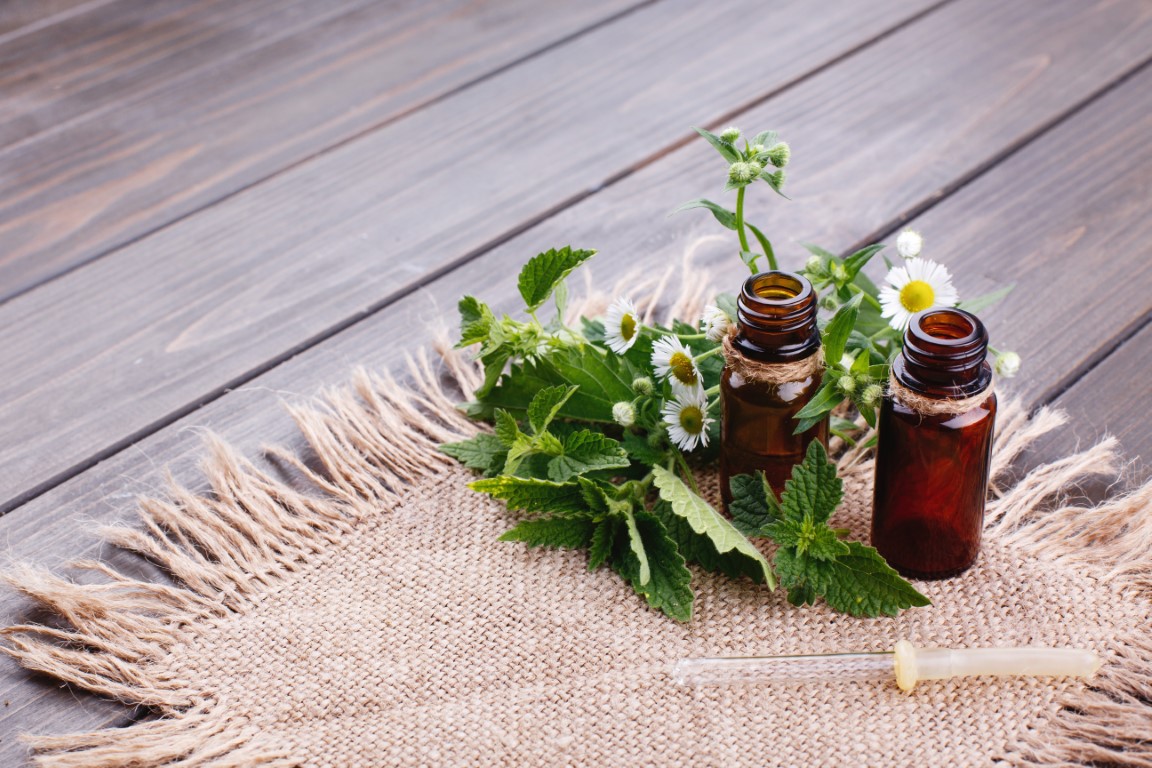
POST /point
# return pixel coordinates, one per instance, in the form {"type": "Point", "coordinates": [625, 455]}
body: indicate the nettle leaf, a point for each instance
{"type": "Point", "coordinates": [705, 520]}
{"type": "Point", "coordinates": [644, 569]}
{"type": "Point", "coordinates": [484, 452]}
{"type": "Point", "coordinates": [586, 451]}
{"type": "Point", "coordinates": [532, 495]}
{"type": "Point", "coordinates": [545, 270]}
{"type": "Point", "coordinates": [698, 548]}
{"type": "Point", "coordinates": [754, 506]}
{"type": "Point", "coordinates": [603, 381]}
{"type": "Point", "coordinates": [600, 546]}
{"type": "Point", "coordinates": [507, 430]}
{"type": "Point", "coordinates": [860, 583]}
{"type": "Point", "coordinates": [726, 217]}
{"type": "Point", "coordinates": [641, 450]}
{"type": "Point", "coordinates": [476, 319]}
{"type": "Point", "coordinates": [546, 404]}
{"type": "Point", "coordinates": [808, 538]}
{"type": "Point", "coordinates": [554, 532]}
{"type": "Point", "coordinates": [729, 152]}
{"type": "Point", "coordinates": [668, 588]}
{"type": "Point", "coordinates": [814, 490]}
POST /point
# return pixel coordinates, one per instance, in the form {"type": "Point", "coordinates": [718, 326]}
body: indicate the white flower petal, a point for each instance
{"type": "Point", "coordinates": [617, 334]}
{"type": "Point", "coordinates": [683, 438]}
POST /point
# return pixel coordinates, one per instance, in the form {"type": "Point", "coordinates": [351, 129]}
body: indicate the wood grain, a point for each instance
{"type": "Point", "coordinates": [173, 108]}
{"type": "Point", "coordinates": [23, 16]}
{"type": "Point", "coordinates": [624, 221]}
{"type": "Point", "coordinates": [161, 326]}
{"type": "Point", "coordinates": [102, 58]}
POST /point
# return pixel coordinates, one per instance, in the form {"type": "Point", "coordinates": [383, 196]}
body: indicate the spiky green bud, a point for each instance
{"type": "Point", "coordinates": [780, 154]}
{"type": "Point", "coordinates": [730, 134]}
{"type": "Point", "coordinates": [872, 394]}
{"type": "Point", "coordinates": [742, 173]}
{"type": "Point", "coordinates": [847, 384]}
{"type": "Point", "coordinates": [643, 386]}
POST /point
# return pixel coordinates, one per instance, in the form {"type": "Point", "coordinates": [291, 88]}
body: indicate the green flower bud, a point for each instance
{"type": "Point", "coordinates": [643, 386]}
{"type": "Point", "coordinates": [624, 414]}
{"type": "Point", "coordinates": [872, 394]}
{"type": "Point", "coordinates": [839, 273]}
{"type": "Point", "coordinates": [730, 134]}
{"type": "Point", "coordinates": [755, 149]}
{"type": "Point", "coordinates": [815, 266]}
{"type": "Point", "coordinates": [742, 173]}
{"type": "Point", "coordinates": [780, 154]}
{"type": "Point", "coordinates": [847, 384]}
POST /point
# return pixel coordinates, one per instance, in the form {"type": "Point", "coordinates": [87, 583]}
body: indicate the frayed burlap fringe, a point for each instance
{"type": "Point", "coordinates": [368, 444]}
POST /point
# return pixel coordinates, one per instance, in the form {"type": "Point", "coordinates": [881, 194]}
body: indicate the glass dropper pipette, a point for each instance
{"type": "Point", "coordinates": [907, 664]}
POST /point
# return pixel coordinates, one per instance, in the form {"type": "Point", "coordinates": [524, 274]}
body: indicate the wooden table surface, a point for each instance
{"type": "Point", "coordinates": [208, 207]}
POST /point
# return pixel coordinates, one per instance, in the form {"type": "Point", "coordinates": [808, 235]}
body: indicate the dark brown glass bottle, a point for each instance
{"type": "Point", "coordinates": [776, 323]}
{"type": "Point", "coordinates": [932, 470]}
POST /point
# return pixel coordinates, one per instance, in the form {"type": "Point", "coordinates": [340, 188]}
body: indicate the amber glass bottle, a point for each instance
{"type": "Point", "coordinates": [932, 469]}
{"type": "Point", "coordinates": [776, 323]}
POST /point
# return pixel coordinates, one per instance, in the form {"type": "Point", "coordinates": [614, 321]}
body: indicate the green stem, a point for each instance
{"type": "Point", "coordinates": [687, 472]}
{"type": "Point", "coordinates": [740, 224]}
{"type": "Point", "coordinates": [712, 391]}
{"type": "Point", "coordinates": [710, 353]}
{"type": "Point", "coordinates": [869, 297]}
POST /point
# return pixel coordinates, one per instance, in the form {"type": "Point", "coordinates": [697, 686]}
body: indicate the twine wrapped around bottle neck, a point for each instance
{"type": "Point", "coordinates": [934, 406]}
{"type": "Point", "coordinates": [771, 373]}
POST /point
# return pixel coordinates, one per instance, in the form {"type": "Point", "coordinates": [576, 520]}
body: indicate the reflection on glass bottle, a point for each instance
{"type": "Point", "coordinates": [776, 324]}
{"type": "Point", "coordinates": [932, 458]}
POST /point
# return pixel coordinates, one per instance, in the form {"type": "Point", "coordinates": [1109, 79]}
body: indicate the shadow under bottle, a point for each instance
{"type": "Point", "coordinates": [932, 458]}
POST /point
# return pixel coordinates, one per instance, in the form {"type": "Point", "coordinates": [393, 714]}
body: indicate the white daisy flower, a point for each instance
{"type": "Point", "coordinates": [687, 419]}
{"type": "Point", "coordinates": [1007, 364]}
{"type": "Point", "coordinates": [672, 359]}
{"type": "Point", "coordinates": [918, 285]}
{"type": "Point", "coordinates": [716, 323]}
{"type": "Point", "coordinates": [909, 243]}
{"type": "Point", "coordinates": [621, 325]}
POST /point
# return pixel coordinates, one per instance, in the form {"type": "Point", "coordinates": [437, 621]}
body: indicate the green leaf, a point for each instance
{"type": "Point", "coordinates": [507, 430]}
{"type": "Point", "coordinates": [980, 303]}
{"type": "Point", "coordinates": [644, 571]}
{"type": "Point", "coordinates": [838, 328]}
{"type": "Point", "coordinates": [767, 138]}
{"type": "Point", "coordinates": [814, 490]}
{"type": "Point", "coordinates": [802, 595]}
{"type": "Point", "coordinates": [532, 495]}
{"type": "Point", "coordinates": [808, 538]}
{"type": "Point", "coordinates": [484, 452]}
{"type": "Point", "coordinates": [475, 321]}
{"type": "Point", "coordinates": [726, 217]}
{"type": "Point", "coordinates": [821, 404]}
{"type": "Point", "coordinates": [600, 547]}
{"type": "Point", "coordinates": [586, 451]}
{"type": "Point", "coordinates": [603, 380]}
{"type": "Point", "coordinates": [698, 548]}
{"type": "Point", "coordinates": [730, 153]}
{"type": "Point", "coordinates": [668, 588]}
{"type": "Point", "coordinates": [546, 404]}
{"type": "Point", "coordinates": [767, 246]}
{"type": "Point", "coordinates": [554, 532]}
{"type": "Point", "coordinates": [854, 263]}
{"type": "Point", "coordinates": [705, 520]}
{"type": "Point", "coordinates": [641, 450]}
{"type": "Point", "coordinates": [860, 583]}
{"type": "Point", "coordinates": [541, 274]}
{"type": "Point", "coordinates": [749, 258]}
{"type": "Point", "coordinates": [754, 505]}
{"type": "Point", "coordinates": [727, 303]}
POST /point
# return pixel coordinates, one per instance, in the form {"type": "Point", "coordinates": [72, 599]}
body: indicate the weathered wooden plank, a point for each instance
{"type": "Point", "coordinates": [24, 16]}
{"type": "Point", "coordinates": [178, 103]}
{"type": "Point", "coordinates": [626, 221]}
{"type": "Point", "coordinates": [168, 322]}
{"type": "Point", "coordinates": [102, 58]}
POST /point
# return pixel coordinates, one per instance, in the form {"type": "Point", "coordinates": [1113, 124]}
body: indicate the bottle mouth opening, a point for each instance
{"type": "Point", "coordinates": [946, 328]}
{"type": "Point", "coordinates": [777, 288]}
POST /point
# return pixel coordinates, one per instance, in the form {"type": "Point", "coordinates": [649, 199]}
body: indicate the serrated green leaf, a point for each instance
{"type": "Point", "coordinates": [668, 588]}
{"type": "Point", "coordinates": [754, 506]}
{"type": "Point", "coordinates": [546, 403]}
{"type": "Point", "coordinates": [699, 549]}
{"type": "Point", "coordinates": [475, 321]}
{"type": "Point", "coordinates": [544, 270]}
{"type": "Point", "coordinates": [839, 327]}
{"type": "Point", "coordinates": [532, 495]}
{"type": "Point", "coordinates": [980, 303]}
{"type": "Point", "coordinates": [808, 538]}
{"type": "Point", "coordinates": [814, 490]}
{"type": "Point", "coordinates": [641, 450]}
{"type": "Point", "coordinates": [586, 451]}
{"type": "Point", "coordinates": [705, 520]}
{"type": "Point", "coordinates": [644, 571]}
{"type": "Point", "coordinates": [554, 532]}
{"type": "Point", "coordinates": [802, 595]}
{"type": "Point", "coordinates": [726, 217]}
{"type": "Point", "coordinates": [600, 547]}
{"type": "Point", "coordinates": [484, 452]}
{"type": "Point", "coordinates": [507, 430]}
{"type": "Point", "coordinates": [860, 583]}
{"type": "Point", "coordinates": [729, 152]}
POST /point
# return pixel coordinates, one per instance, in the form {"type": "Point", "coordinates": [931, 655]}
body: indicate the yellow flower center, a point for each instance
{"type": "Point", "coordinates": [917, 296]}
{"type": "Point", "coordinates": [682, 368]}
{"type": "Point", "coordinates": [627, 327]}
{"type": "Point", "coordinates": [692, 419]}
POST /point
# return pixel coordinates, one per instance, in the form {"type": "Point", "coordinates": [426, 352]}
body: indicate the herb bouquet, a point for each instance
{"type": "Point", "coordinates": [594, 426]}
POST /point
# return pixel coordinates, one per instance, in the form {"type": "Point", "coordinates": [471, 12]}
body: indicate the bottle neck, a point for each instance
{"type": "Point", "coordinates": [944, 355]}
{"type": "Point", "coordinates": [776, 318]}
